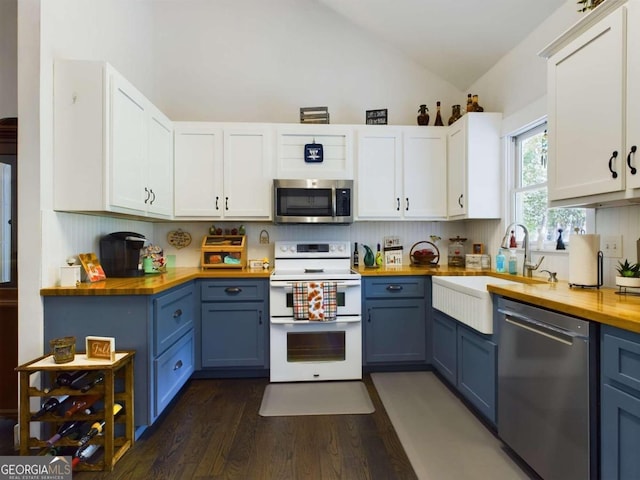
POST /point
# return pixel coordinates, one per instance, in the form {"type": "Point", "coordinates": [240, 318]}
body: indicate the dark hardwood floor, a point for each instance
{"type": "Point", "coordinates": [213, 430]}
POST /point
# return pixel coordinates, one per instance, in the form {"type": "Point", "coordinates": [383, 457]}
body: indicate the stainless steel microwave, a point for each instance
{"type": "Point", "coordinates": [313, 201]}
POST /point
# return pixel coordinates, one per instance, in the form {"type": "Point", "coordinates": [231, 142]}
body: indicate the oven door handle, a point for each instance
{"type": "Point", "coordinates": [291, 321]}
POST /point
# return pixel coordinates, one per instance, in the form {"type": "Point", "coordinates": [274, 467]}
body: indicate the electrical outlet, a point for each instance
{"type": "Point", "coordinates": [611, 246]}
{"type": "Point", "coordinates": [16, 436]}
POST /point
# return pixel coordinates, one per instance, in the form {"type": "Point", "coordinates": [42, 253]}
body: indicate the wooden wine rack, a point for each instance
{"type": "Point", "coordinates": [114, 447]}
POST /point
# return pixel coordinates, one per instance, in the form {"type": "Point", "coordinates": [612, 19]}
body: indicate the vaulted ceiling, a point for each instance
{"type": "Point", "coordinates": [459, 40]}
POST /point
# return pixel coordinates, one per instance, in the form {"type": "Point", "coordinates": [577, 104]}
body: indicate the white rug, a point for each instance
{"type": "Point", "coordinates": [315, 398]}
{"type": "Point", "coordinates": [442, 438]}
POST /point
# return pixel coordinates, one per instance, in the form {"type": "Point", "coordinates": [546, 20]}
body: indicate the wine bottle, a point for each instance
{"type": "Point", "coordinates": [469, 103]}
{"type": "Point", "coordinates": [81, 403]}
{"type": "Point", "coordinates": [86, 383]}
{"type": "Point", "coordinates": [65, 429]}
{"type": "Point", "coordinates": [438, 122]}
{"type": "Point", "coordinates": [49, 405]}
{"type": "Point", "coordinates": [97, 427]}
{"type": "Point", "coordinates": [356, 256]}
{"type": "Point", "coordinates": [84, 453]}
{"type": "Point", "coordinates": [65, 379]}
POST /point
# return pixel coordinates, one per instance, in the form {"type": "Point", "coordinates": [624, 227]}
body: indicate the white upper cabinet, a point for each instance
{"type": "Point", "coordinates": [379, 166]}
{"type": "Point", "coordinates": [593, 93]}
{"type": "Point", "coordinates": [474, 182]}
{"type": "Point", "coordinates": [336, 141]}
{"type": "Point", "coordinates": [223, 171]}
{"type": "Point", "coordinates": [113, 150]}
{"type": "Point", "coordinates": [401, 173]}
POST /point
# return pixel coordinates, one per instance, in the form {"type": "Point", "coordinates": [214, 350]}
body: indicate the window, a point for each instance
{"type": "Point", "coordinates": [529, 197]}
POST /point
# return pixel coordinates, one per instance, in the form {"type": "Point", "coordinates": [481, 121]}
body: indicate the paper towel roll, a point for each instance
{"type": "Point", "coordinates": [583, 260]}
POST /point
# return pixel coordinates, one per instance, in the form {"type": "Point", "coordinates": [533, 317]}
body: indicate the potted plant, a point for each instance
{"type": "Point", "coordinates": [628, 274]}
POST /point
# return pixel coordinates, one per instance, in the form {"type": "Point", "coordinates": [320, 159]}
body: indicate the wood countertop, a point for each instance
{"type": "Point", "coordinates": [152, 283]}
{"type": "Point", "coordinates": [602, 305]}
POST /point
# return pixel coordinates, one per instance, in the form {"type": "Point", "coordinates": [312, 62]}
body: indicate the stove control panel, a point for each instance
{"type": "Point", "coordinates": [337, 249]}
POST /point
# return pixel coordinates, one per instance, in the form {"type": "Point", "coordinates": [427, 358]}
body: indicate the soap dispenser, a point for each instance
{"type": "Point", "coordinates": [513, 262]}
{"type": "Point", "coordinates": [500, 261]}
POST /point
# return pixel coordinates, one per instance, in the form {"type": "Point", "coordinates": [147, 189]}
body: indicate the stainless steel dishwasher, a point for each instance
{"type": "Point", "coordinates": [546, 402]}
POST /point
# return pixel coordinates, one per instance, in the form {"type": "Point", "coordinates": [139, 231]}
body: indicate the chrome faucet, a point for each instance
{"type": "Point", "coordinates": [527, 268]}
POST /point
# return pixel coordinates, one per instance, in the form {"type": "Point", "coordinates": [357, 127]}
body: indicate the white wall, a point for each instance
{"type": "Point", "coordinates": [8, 58]}
{"type": "Point", "coordinates": [260, 61]}
{"type": "Point", "coordinates": [118, 31]}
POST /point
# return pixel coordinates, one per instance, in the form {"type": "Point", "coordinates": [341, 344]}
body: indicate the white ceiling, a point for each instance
{"type": "Point", "coordinates": [459, 40]}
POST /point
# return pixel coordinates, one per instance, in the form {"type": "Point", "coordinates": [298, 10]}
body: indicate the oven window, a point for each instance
{"type": "Point", "coordinates": [339, 299]}
{"type": "Point", "coordinates": [300, 202]}
{"type": "Point", "coordinates": [315, 346]}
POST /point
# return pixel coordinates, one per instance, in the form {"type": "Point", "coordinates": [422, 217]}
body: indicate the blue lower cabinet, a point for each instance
{"type": "Point", "coordinates": [468, 361]}
{"type": "Point", "coordinates": [620, 404]}
{"type": "Point", "coordinates": [444, 348]}
{"type": "Point", "coordinates": [477, 371]}
{"type": "Point", "coordinates": [394, 321]}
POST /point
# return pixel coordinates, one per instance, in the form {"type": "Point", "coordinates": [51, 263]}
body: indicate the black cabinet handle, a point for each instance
{"type": "Point", "coordinates": [233, 290]}
{"type": "Point", "coordinates": [259, 317]}
{"type": "Point", "coordinates": [460, 201]}
{"type": "Point", "coordinates": [398, 204]}
{"type": "Point", "coordinates": [178, 365]}
{"type": "Point", "coordinates": [407, 207]}
{"type": "Point", "coordinates": [226, 203]}
{"type": "Point", "coordinates": [369, 315]}
{"type": "Point", "coordinates": [614, 155]}
{"type": "Point", "coordinates": [394, 288]}
{"type": "Point", "coordinates": [631, 152]}
{"type": "Point", "coordinates": [146, 190]}
{"type": "Point", "coordinates": [177, 313]}
{"type": "Point", "coordinates": [153, 198]}
{"type": "Point", "coordinates": [217, 198]}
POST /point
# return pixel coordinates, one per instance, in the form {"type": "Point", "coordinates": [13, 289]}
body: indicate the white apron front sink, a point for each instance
{"type": "Point", "coordinates": [466, 299]}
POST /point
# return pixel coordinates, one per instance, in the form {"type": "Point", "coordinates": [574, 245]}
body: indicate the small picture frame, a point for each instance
{"type": "Point", "coordinates": [376, 117]}
{"type": "Point", "coordinates": [478, 248]}
{"type": "Point", "coordinates": [101, 348]}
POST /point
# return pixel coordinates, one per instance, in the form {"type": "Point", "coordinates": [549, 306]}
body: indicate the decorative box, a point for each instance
{"type": "Point", "coordinates": [478, 262]}
{"type": "Point", "coordinates": [224, 251]}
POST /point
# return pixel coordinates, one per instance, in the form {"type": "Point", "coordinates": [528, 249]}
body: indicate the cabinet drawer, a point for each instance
{"type": "Point", "coordinates": [232, 290]}
{"type": "Point", "coordinates": [394, 287]}
{"type": "Point", "coordinates": [621, 357]}
{"type": "Point", "coordinates": [171, 370]}
{"type": "Point", "coordinates": [173, 316]}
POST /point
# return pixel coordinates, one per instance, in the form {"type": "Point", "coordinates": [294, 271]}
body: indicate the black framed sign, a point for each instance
{"type": "Point", "coordinates": [313, 153]}
{"type": "Point", "coordinates": [376, 117]}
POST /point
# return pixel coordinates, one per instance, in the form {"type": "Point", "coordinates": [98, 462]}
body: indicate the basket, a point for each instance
{"type": "Point", "coordinates": [63, 349]}
{"type": "Point", "coordinates": [427, 255]}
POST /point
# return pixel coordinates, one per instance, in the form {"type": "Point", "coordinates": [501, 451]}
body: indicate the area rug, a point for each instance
{"type": "Point", "coordinates": [316, 398]}
{"type": "Point", "coordinates": [441, 437]}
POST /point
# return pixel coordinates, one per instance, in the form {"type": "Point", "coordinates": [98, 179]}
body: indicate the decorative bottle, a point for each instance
{"type": "Point", "coordinates": [475, 106]}
{"type": "Point", "coordinates": [455, 114]}
{"type": "Point", "coordinates": [423, 118]}
{"type": "Point", "coordinates": [512, 240]}
{"type": "Point", "coordinates": [369, 258]}
{"type": "Point", "coordinates": [469, 103]}
{"type": "Point", "coordinates": [438, 122]}
{"type": "Point", "coordinates": [379, 256]}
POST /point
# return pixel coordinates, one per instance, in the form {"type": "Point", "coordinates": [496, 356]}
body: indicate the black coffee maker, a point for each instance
{"type": "Point", "coordinates": [120, 254]}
